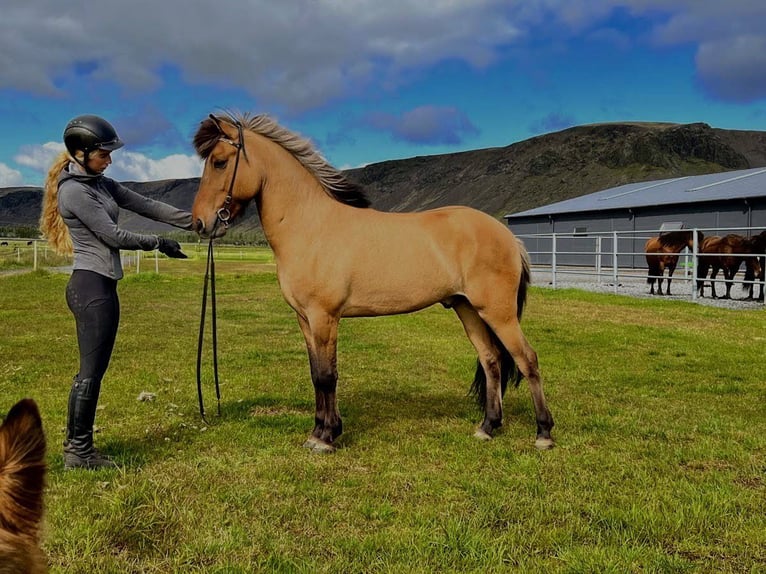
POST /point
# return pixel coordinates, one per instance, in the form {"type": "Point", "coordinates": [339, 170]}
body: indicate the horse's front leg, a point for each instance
{"type": "Point", "coordinates": [671, 270]}
{"type": "Point", "coordinates": [321, 334]}
{"type": "Point", "coordinates": [713, 275]}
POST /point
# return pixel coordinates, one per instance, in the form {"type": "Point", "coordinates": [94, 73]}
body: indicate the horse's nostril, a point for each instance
{"type": "Point", "coordinates": [199, 226]}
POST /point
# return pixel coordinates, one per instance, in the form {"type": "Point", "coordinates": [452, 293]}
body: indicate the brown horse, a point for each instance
{"type": "Point", "coordinates": [336, 257]}
{"type": "Point", "coordinates": [661, 253]}
{"type": "Point", "coordinates": [726, 253]}
{"type": "Point", "coordinates": [22, 479]}
{"type": "Point", "coordinates": [755, 272]}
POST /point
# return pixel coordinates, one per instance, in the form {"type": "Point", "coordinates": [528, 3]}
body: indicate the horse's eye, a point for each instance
{"type": "Point", "coordinates": [219, 163]}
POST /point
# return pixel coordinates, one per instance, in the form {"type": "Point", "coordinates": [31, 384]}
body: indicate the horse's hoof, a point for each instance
{"type": "Point", "coordinates": [310, 443]}
{"type": "Point", "coordinates": [482, 434]}
{"type": "Point", "coordinates": [544, 443]}
{"type": "Point", "coordinates": [323, 448]}
{"type": "Point", "coordinates": [317, 445]}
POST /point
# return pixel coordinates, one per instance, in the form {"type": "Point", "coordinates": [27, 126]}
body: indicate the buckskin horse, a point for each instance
{"type": "Point", "coordinates": [662, 253]}
{"type": "Point", "coordinates": [337, 257]}
{"type": "Point", "coordinates": [726, 253]}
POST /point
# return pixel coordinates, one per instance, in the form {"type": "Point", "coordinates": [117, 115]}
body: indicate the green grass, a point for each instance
{"type": "Point", "coordinates": [659, 466]}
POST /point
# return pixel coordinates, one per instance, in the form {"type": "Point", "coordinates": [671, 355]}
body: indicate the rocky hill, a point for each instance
{"type": "Point", "coordinates": [520, 176]}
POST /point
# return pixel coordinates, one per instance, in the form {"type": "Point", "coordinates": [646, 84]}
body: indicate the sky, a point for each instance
{"type": "Point", "coordinates": [367, 80]}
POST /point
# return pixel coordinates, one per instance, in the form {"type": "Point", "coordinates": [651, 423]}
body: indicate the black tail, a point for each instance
{"type": "Point", "coordinates": [508, 369]}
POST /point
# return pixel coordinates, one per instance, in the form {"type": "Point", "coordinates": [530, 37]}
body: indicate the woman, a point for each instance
{"type": "Point", "coordinates": [80, 211]}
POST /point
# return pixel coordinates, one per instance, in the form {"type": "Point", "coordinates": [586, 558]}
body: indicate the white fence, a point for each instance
{"type": "Point", "coordinates": [615, 258]}
{"type": "Point", "coordinates": [24, 254]}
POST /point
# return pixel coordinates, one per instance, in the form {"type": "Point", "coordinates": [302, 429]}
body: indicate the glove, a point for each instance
{"type": "Point", "coordinates": [170, 247]}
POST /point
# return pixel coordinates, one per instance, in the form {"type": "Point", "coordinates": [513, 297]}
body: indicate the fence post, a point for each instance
{"type": "Point", "coordinates": [695, 252]}
{"type": "Point", "coordinates": [614, 274]}
{"type": "Point", "coordinates": [156, 261]}
{"type": "Point", "coordinates": [598, 259]}
{"type": "Point", "coordinates": [138, 262]}
{"type": "Point", "coordinates": [34, 256]}
{"type": "Point", "coordinates": [553, 260]}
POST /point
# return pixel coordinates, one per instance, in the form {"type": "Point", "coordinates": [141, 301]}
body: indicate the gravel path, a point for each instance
{"type": "Point", "coordinates": [634, 285]}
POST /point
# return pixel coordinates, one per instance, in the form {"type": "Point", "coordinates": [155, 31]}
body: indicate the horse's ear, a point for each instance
{"type": "Point", "coordinates": [216, 121]}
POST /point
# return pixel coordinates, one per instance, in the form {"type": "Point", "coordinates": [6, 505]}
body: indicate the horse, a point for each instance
{"type": "Point", "coordinates": [22, 480]}
{"type": "Point", "coordinates": [754, 273]}
{"type": "Point", "coordinates": [338, 257]}
{"type": "Point", "coordinates": [661, 254]}
{"type": "Point", "coordinates": [726, 253]}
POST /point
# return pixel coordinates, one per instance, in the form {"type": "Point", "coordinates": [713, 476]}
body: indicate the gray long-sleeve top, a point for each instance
{"type": "Point", "coordinates": [90, 206]}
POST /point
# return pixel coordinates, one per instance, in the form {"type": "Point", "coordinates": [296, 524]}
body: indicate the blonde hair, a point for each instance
{"type": "Point", "coordinates": [52, 225]}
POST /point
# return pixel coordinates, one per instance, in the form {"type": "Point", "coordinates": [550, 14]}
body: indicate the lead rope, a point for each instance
{"type": "Point", "coordinates": [222, 217]}
{"type": "Point", "coordinates": [209, 276]}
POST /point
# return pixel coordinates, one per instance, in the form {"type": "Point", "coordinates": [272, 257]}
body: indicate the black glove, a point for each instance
{"type": "Point", "coordinates": [171, 248]}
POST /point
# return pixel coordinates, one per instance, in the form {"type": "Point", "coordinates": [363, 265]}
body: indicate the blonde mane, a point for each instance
{"type": "Point", "coordinates": [333, 181]}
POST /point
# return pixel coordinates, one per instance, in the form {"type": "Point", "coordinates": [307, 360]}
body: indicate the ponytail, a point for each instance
{"type": "Point", "coordinates": [52, 225]}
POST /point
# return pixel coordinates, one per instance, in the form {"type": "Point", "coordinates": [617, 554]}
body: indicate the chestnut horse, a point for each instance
{"type": "Point", "coordinates": [751, 271]}
{"type": "Point", "coordinates": [661, 253]}
{"type": "Point", "coordinates": [726, 253]}
{"type": "Point", "coordinates": [336, 257]}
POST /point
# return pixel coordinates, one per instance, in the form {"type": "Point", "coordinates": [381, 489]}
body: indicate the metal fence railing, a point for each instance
{"type": "Point", "coordinates": [615, 258]}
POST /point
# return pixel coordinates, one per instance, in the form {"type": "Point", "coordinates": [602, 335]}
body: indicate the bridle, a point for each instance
{"type": "Point", "coordinates": [223, 216]}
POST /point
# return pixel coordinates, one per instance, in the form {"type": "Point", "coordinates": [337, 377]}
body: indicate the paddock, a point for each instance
{"type": "Point", "coordinates": [658, 465]}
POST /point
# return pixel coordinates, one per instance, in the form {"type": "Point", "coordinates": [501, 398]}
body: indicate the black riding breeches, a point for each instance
{"type": "Point", "coordinates": [92, 298]}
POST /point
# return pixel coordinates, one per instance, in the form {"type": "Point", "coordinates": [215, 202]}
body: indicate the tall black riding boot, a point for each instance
{"type": "Point", "coordinates": [79, 451]}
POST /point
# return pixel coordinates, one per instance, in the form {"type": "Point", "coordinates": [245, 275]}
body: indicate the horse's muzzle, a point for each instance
{"type": "Point", "coordinates": [199, 227]}
{"type": "Point", "coordinates": [216, 229]}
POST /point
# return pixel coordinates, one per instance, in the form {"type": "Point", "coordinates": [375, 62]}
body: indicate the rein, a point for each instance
{"type": "Point", "coordinates": [223, 215]}
{"type": "Point", "coordinates": [209, 276]}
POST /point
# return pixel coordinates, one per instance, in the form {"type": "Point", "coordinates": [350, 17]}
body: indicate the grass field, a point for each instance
{"type": "Point", "coordinates": [660, 464]}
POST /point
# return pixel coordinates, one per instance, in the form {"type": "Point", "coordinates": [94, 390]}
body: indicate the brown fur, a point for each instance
{"type": "Point", "coordinates": [22, 479]}
{"type": "Point", "coordinates": [727, 254]}
{"type": "Point", "coordinates": [756, 271]}
{"type": "Point", "coordinates": [661, 253]}
{"type": "Point", "coordinates": [335, 260]}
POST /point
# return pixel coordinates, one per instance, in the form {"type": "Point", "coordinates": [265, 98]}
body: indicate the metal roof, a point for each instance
{"type": "Point", "coordinates": [739, 184]}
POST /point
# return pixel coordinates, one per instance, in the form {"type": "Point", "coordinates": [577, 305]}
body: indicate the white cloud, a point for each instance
{"type": "Point", "coordinates": [300, 54]}
{"type": "Point", "coordinates": [39, 157]}
{"type": "Point", "coordinates": [131, 166]}
{"type": "Point", "coordinates": [126, 166]}
{"type": "Point", "coordinates": [10, 177]}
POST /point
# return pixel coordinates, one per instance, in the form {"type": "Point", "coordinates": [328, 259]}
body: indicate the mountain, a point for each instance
{"type": "Point", "coordinates": [534, 172]}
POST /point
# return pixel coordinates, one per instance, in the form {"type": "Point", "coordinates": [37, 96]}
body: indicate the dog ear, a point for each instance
{"type": "Point", "coordinates": [22, 468]}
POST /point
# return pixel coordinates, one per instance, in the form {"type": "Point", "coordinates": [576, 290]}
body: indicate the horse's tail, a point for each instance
{"type": "Point", "coordinates": [524, 281]}
{"type": "Point", "coordinates": [508, 368]}
{"type": "Point", "coordinates": [508, 371]}
{"type": "Point", "coordinates": [22, 468]}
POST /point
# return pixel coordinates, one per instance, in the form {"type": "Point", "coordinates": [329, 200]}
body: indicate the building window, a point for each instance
{"type": "Point", "coordinates": [580, 231]}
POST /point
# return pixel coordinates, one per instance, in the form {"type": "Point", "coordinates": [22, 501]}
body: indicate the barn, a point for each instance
{"type": "Point", "coordinates": [718, 203]}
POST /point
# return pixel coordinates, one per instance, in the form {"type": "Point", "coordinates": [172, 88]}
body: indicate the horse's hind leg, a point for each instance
{"type": "Point", "coordinates": [490, 361]}
{"type": "Point", "coordinates": [321, 334]}
{"type": "Point", "coordinates": [510, 334]}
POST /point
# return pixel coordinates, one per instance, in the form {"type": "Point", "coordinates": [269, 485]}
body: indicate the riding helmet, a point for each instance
{"type": "Point", "coordinates": [88, 133]}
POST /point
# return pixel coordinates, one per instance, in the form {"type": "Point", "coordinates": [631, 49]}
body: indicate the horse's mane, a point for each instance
{"type": "Point", "coordinates": [674, 238]}
{"type": "Point", "coordinates": [333, 181]}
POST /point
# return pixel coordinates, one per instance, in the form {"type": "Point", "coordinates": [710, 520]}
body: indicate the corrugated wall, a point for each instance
{"type": "Point", "coordinates": [724, 217]}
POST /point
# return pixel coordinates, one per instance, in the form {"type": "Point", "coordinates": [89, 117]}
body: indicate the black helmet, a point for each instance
{"type": "Point", "coordinates": [88, 133]}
